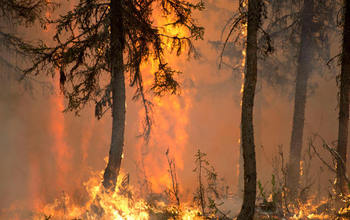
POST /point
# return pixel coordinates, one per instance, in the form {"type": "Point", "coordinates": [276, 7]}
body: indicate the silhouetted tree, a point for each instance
{"type": "Point", "coordinates": [303, 72]}
{"type": "Point", "coordinates": [98, 42]}
{"type": "Point", "coordinates": [247, 130]}
{"type": "Point", "coordinates": [343, 130]}
{"type": "Point", "coordinates": [302, 28]}
{"type": "Point", "coordinates": [249, 16]}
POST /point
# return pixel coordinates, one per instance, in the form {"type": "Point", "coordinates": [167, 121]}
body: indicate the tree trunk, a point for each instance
{"type": "Point", "coordinates": [118, 96]}
{"type": "Point", "coordinates": [343, 131]}
{"type": "Point", "coordinates": [240, 172]}
{"type": "Point", "coordinates": [303, 71]}
{"type": "Point", "coordinates": [247, 131]}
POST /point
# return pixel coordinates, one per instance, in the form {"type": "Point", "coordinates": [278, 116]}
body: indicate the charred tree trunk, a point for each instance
{"type": "Point", "coordinates": [343, 131]}
{"type": "Point", "coordinates": [303, 71]}
{"type": "Point", "coordinates": [247, 130]}
{"type": "Point", "coordinates": [118, 96]}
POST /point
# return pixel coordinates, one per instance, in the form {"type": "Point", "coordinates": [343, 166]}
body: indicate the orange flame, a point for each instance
{"type": "Point", "coordinates": [169, 130]}
{"type": "Point", "coordinates": [60, 147]}
{"type": "Point", "coordinates": [243, 65]}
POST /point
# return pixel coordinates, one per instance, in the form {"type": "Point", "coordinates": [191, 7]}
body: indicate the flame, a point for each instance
{"type": "Point", "coordinates": [169, 130]}
{"type": "Point", "coordinates": [60, 147]}
{"type": "Point", "coordinates": [244, 54]}
{"type": "Point", "coordinates": [171, 113]}
{"type": "Point", "coordinates": [169, 127]}
{"type": "Point", "coordinates": [120, 205]}
{"type": "Point", "coordinates": [109, 205]}
{"type": "Point", "coordinates": [308, 210]}
{"type": "Point", "coordinates": [243, 65]}
{"type": "Point", "coordinates": [301, 168]}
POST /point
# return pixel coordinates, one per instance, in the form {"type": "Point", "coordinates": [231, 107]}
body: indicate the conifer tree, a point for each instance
{"type": "Point", "coordinates": [101, 39]}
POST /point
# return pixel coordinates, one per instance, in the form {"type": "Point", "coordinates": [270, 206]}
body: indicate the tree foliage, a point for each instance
{"type": "Point", "coordinates": [15, 13]}
{"type": "Point", "coordinates": [81, 51]}
{"type": "Point", "coordinates": [26, 11]}
{"type": "Point", "coordinates": [284, 28]}
{"type": "Point", "coordinates": [21, 12]}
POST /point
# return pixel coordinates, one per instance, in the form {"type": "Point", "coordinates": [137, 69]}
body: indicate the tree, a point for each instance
{"type": "Point", "coordinates": [100, 40]}
{"type": "Point", "coordinates": [247, 130]}
{"type": "Point", "coordinates": [17, 12]}
{"type": "Point", "coordinates": [23, 10]}
{"type": "Point", "coordinates": [303, 72]}
{"type": "Point", "coordinates": [252, 20]}
{"type": "Point", "coordinates": [301, 30]}
{"type": "Point", "coordinates": [343, 130]}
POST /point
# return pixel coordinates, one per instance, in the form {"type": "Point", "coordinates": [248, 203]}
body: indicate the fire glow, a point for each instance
{"type": "Point", "coordinates": [120, 204]}
{"type": "Point", "coordinates": [171, 123]}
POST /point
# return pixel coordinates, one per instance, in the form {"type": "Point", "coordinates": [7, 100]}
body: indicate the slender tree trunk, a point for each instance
{"type": "Point", "coordinates": [247, 131]}
{"type": "Point", "coordinates": [343, 131]}
{"type": "Point", "coordinates": [303, 71]}
{"type": "Point", "coordinates": [118, 95]}
{"type": "Point", "coordinates": [240, 174]}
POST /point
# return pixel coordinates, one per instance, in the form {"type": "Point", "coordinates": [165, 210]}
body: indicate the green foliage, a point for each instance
{"type": "Point", "coordinates": [270, 205]}
{"type": "Point", "coordinates": [261, 191]}
{"type": "Point", "coordinates": [276, 191]}
{"type": "Point", "coordinates": [208, 189]}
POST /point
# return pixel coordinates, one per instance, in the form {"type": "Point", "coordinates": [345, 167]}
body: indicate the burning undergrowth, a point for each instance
{"type": "Point", "coordinates": [211, 199]}
{"type": "Point", "coordinates": [123, 203]}
{"type": "Point", "coordinates": [336, 207]}
{"type": "Point", "coordinates": [128, 202]}
{"type": "Point", "coordinates": [311, 200]}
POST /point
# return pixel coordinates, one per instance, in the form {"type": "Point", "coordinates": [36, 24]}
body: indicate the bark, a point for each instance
{"type": "Point", "coordinates": [303, 72]}
{"type": "Point", "coordinates": [240, 172]}
{"type": "Point", "coordinates": [343, 131]}
{"type": "Point", "coordinates": [118, 96]}
{"type": "Point", "coordinates": [247, 131]}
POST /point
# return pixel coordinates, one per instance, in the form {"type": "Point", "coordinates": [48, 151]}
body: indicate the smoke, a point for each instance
{"type": "Point", "coordinates": [205, 116]}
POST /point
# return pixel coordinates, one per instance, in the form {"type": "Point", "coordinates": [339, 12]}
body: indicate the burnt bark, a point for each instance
{"type": "Point", "coordinates": [118, 96]}
{"type": "Point", "coordinates": [247, 130]}
{"type": "Point", "coordinates": [343, 130]}
{"type": "Point", "coordinates": [303, 71]}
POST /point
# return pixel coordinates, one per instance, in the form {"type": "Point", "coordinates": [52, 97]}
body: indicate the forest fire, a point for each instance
{"type": "Point", "coordinates": [110, 206]}
{"type": "Point", "coordinates": [134, 128]}
{"type": "Point", "coordinates": [59, 147]}
{"type": "Point", "coordinates": [169, 125]}
{"type": "Point", "coordinates": [121, 204]}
